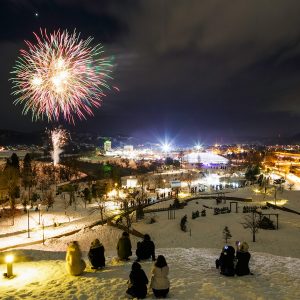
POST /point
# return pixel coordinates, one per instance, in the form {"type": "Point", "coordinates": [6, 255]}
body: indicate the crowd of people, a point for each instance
{"type": "Point", "coordinates": [229, 264]}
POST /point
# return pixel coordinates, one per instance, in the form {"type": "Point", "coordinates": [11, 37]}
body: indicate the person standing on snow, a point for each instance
{"type": "Point", "coordinates": [75, 265]}
{"type": "Point", "coordinates": [124, 247]}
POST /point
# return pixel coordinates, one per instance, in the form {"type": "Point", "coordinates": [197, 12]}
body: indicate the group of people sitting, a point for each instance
{"type": "Point", "coordinates": [76, 265]}
{"type": "Point", "coordinates": [231, 264]}
{"type": "Point", "coordinates": [159, 282]}
{"type": "Point", "coordinates": [228, 263]}
{"type": "Point", "coordinates": [138, 281]}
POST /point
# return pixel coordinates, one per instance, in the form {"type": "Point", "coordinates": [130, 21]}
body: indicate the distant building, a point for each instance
{"type": "Point", "coordinates": [129, 181]}
{"type": "Point", "coordinates": [128, 148]}
{"type": "Point", "coordinates": [205, 158]}
{"type": "Point", "coordinates": [107, 146]}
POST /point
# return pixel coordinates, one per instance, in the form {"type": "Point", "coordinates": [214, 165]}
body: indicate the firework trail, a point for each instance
{"type": "Point", "coordinates": [59, 138]}
{"type": "Point", "coordinates": [60, 76]}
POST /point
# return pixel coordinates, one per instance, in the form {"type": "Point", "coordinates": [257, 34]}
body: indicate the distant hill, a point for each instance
{"type": "Point", "coordinates": [10, 138]}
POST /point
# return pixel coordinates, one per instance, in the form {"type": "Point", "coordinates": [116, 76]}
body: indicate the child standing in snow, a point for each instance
{"type": "Point", "coordinates": [75, 265]}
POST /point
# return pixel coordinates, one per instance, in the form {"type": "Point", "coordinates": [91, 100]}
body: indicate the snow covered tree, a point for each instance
{"type": "Point", "coordinates": [226, 234]}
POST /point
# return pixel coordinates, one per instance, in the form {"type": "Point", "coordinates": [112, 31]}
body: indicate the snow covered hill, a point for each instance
{"type": "Point", "coordinates": [192, 276]}
{"type": "Point", "coordinates": [275, 260]}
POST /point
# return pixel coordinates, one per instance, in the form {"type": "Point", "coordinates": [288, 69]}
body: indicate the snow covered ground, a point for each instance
{"type": "Point", "coordinates": [192, 276]}
{"type": "Point", "coordinates": [275, 261]}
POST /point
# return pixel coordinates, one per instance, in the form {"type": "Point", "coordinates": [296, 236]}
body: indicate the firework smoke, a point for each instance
{"type": "Point", "coordinates": [59, 138]}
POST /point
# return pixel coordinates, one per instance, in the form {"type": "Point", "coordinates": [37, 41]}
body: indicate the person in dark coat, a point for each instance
{"type": "Point", "coordinates": [145, 249]}
{"type": "Point", "coordinates": [96, 255]}
{"type": "Point", "coordinates": [124, 247]}
{"type": "Point", "coordinates": [137, 285]}
{"type": "Point", "coordinates": [225, 262]}
{"type": "Point", "coordinates": [243, 258]}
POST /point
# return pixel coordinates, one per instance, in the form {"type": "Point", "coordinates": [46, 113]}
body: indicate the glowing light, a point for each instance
{"type": "Point", "coordinates": [166, 147]}
{"type": "Point", "coordinates": [198, 147]}
{"type": "Point", "coordinates": [59, 138]}
{"type": "Point", "coordinates": [278, 202]}
{"type": "Point", "coordinates": [112, 205]}
{"type": "Point", "coordinates": [60, 76]}
{"type": "Point", "coordinates": [9, 259]}
{"type": "Point", "coordinates": [116, 194]}
{"type": "Point", "coordinates": [183, 195]}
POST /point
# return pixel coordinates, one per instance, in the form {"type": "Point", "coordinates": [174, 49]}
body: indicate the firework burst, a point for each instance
{"type": "Point", "coordinates": [60, 76]}
{"type": "Point", "coordinates": [59, 138]}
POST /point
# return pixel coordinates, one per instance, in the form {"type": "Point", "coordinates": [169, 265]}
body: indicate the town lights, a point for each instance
{"type": "Point", "coordinates": [9, 261]}
{"type": "Point", "coordinates": [166, 147]}
{"type": "Point", "coordinates": [198, 147]}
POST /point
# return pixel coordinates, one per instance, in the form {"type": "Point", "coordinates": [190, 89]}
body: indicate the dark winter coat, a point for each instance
{"type": "Point", "coordinates": [226, 261]}
{"type": "Point", "coordinates": [242, 266]}
{"type": "Point", "coordinates": [138, 283]}
{"type": "Point", "coordinates": [96, 256]}
{"type": "Point", "coordinates": [124, 247]}
{"type": "Point", "coordinates": [145, 250]}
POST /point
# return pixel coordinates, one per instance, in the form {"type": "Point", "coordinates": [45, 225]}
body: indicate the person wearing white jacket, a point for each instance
{"type": "Point", "coordinates": [75, 265]}
{"type": "Point", "coordinates": [160, 283]}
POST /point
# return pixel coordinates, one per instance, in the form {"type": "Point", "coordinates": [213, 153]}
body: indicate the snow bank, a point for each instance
{"type": "Point", "coordinates": [192, 276]}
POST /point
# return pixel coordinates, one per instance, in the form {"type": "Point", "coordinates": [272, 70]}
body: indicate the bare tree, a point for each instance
{"type": "Point", "coordinates": [101, 202]}
{"type": "Point", "coordinates": [99, 191]}
{"type": "Point", "coordinates": [9, 180]}
{"type": "Point", "coordinates": [127, 214]}
{"type": "Point", "coordinates": [49, 199]}
{"type": "Point", "coordinates": [143, 180]}
{"type": "Point", "coordinates": [251, 222]}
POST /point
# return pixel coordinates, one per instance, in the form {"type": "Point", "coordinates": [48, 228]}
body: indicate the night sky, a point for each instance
{"type": "Point", "coordinates": [212, 71]}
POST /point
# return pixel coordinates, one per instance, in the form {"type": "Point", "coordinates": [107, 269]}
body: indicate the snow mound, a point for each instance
{"type": "Point", "coordinates": [192, 275]}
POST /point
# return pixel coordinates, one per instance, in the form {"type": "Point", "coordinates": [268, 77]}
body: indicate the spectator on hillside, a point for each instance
{"type": "Point", "coordinates": [96, 255]}
{"type": "Point", "coordinates": [243, 258]}
{"type": "Point", "coordinates": [75, 265]}
{"type": "Point", "coordinates": [124, 246]}
{"type": "Point", "coordinates": [226, 261]}
{"type": "Point", "coordinates": [145, 249]}
{"type": "Point", "coordinates": [137, 284]}
{"type": "Point", "coordinates": [160, 283]}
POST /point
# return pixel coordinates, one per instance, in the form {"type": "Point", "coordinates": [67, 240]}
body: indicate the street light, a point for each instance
{"type": "Point", "coordinates": [43, 228]}
{"type": "Point", "coordinates": [9, 260]}
{"type": "Point", "coordinates": [27, 207]}
{"type": "Point", "coordinates": [39, 208]}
